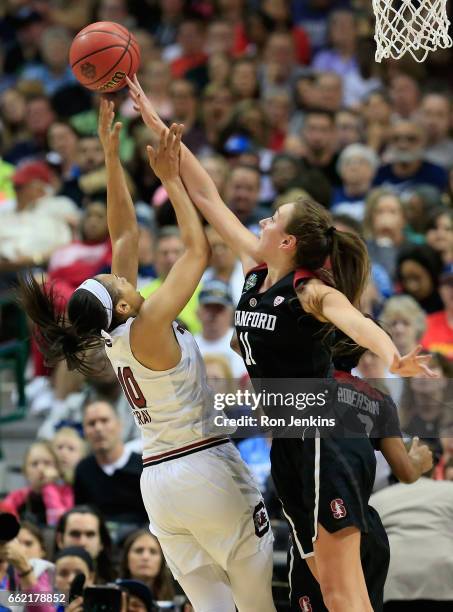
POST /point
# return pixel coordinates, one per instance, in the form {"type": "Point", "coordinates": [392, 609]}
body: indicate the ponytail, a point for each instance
{"type": "Point", "coordinates": [60, 336]}
{"type": "Point", "coordinates": [350, 264]}
{"type": "Point", "coordinates": [318, 241]}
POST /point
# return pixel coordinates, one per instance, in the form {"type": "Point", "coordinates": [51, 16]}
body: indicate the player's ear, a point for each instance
{"type": "Point", "coordinates": [289, 242]}
{"type": "Point", "coordinates": [123, 308]}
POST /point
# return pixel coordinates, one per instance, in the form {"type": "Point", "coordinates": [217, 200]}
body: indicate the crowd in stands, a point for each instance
{"type": "Point", "coordinates": [280, 99]}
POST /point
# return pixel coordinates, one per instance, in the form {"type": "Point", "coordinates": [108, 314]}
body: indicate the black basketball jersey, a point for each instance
{"type": "Point", "coordinates": [278, 339]}
{"type": "Point", "coordinates": [376, 411]}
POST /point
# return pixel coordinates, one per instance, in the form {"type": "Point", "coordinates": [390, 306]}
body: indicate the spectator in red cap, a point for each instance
{"type": "Point", "coordinates": [41, 222]}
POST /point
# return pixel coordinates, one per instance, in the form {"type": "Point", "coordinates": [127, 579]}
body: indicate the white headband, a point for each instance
{"type": "Point", "coordinates": [99, 291]}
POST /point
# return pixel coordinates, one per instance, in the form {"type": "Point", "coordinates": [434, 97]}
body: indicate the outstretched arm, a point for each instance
{"type": "Point", "coordinates": [201, 188]}
{"type": "Point", "coordinates": [163, 306]}
{"type": "Point", "coordinates": [407, 466]}
{"type": "Point", "coordinates": [121, 218]}
{"type": "Point", "coordinates": [337, 309]}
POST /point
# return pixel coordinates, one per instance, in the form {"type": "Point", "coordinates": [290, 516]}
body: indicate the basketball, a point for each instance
{"type": "Point", "coordinates": [102, 55]}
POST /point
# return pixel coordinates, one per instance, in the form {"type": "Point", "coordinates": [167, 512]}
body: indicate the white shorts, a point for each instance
{"type": "Point", "coordinates": [205, 509]}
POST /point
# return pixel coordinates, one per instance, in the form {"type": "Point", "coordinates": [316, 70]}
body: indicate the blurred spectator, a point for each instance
{"type": "Point", "coordinates": [64, 140]}
{"type": "Point", "coordinates": [43, 500]}
{"type": "Point", "coordinates": [357, 165]}
{"type": "Point", "coordinates": [69, 448]}
{"type": "Point", "coordinates": [166, 27]}
{"type": "Point", "coordinates": [349, 126]}
{"type": "Point", "coordinates": [242, 195]}
{"type": "Point", "coordinates": [218, 169]}
{"type": "Point", "coordinates": [439, 233]}
{"type": "Point", "coordinates": [405, 321]}
{"type": "Point", "coordinates": [114, 10]}
{"type": "Point", "coordinates": [84, 257]}
{"type": "Point", "coordinates": [54, 73]}
{"type": "Point", "coordinates": [418, 518]}
{"type": "Point", "coordinates": [142, 559]}
{"type": "Point", "coordinates": [277, 107]}
{"type": "Point", "coordinates": [217, 105]}
{"type": "Point", "coordinates": [14, 109]}
{"type": "Point", "coordinates": [146, 248]}
{"type": "Point", "coordinates": [357, 86]}
{"type": "Point", "coordinates": [405, 96]}
{"type": "Point", "coordinates": [341, 57]}
{"type": "Point", "coordinates": [435, 116]}
{"type": "Point", "coordinates": [109, 478]}
{"type": "Point", "coordinates": [405, 156]}
{"type": "Point", "coordinates": [220, 37]}
{"type": "Point", "coordinates": [38, 119]}
{"type": "Point", "coordinates": [69, 562]}
{"type": "Point", "coordinates": [316, 144]}
{"type": "Point", "coordinates": [377, 111]}
{"type": "Point", "coordinates": [279, 67]}
{"type": "Point", "coordinates": [29, 28]}
{"type": "Point", "coordinates": [219, 69]}
{"type": "Point", "coordinates": [169, 248]}
{"type": "Point", "coordinates": [84, 526]}
{"type": "Point", "coordinates": [19, 574]}
{"type": "Point", "coordinates": [184, 101]}
{"type": "Point", "coordinates": [191, 40]}
{"type": "Point", "coordinates": [328, 91]}
{"type": "Point", "coordinates": [418, 269]}
{"type": "Point", "coordinates": [216, 315]}
{"type": "Point", "coordinates": [243, 79]}
{"type": "Point", "coordinates": [31, 539]}
{"type": "Point", "coordinates": [41, 223]}
{"type": "Point", "coordinates": [439, 331]}
{"type": "Point", "coordinates": [426, 405]}
{"type": "Point", "coordinates": [419, 203]}
{"type": "Point", "coordinates": [138, 596]}
{"type": "Point", "coordinates": [384, 228]}
{"type": "Point", "coordinates": [155, 79]}
{"type": "Point", "coordinates": [224, 265]}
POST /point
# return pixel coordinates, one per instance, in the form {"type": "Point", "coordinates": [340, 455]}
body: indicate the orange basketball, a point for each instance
{"type": "Point", "coordinates": [102, 55]}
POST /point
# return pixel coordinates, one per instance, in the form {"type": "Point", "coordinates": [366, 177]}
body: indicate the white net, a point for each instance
{"type": "Point", "coordinates": [413, 26]}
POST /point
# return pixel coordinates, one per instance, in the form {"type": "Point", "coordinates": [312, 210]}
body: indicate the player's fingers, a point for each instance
{"type": "Point", "coordinates": [177, 139]}
{"type": "Point", "coordinates": [163, 140]}
{"type": "Point", "coordinates": [117, 128]}
{"type": "Point", "coordinates": [151, 155]}
{"type": "Point", "coordinates": [415, 442]}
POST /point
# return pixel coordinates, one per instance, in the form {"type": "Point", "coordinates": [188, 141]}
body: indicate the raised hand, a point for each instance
{"type": "Point", "coordinates": [421, 455]}
{"type": "Point", "coordinates": [141, 103]}
{"type": "Point", "coordinates": [110, 138]}
{"type": "Point", "coordinates": [412, 364]}
{"type": "Point", "coordinates": [165, 160]}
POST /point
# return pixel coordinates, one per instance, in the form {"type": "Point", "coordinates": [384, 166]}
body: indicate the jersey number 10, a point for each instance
{"type": "Point", "coordinates": [131, 389]}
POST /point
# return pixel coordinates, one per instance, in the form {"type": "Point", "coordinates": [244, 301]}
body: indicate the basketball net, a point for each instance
{"type": "Point", "coordinates": [414, 26]}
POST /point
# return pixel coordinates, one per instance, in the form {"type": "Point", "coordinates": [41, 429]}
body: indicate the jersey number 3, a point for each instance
{"type": "Point", "coordinates": [131, 389]}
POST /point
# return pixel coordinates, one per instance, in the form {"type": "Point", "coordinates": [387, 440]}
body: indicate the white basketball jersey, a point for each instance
{"type": "Point", "coordinates": [168, 406]}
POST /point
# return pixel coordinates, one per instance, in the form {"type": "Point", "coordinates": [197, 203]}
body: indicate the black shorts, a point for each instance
{"type": "Point", "coordinates": [305, 593]}
{"type": "Point", "coordinates": [323, 480]}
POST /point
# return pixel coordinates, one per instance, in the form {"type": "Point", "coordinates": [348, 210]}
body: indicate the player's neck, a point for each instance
{"type": "Point", "coordinates": [276, 272]}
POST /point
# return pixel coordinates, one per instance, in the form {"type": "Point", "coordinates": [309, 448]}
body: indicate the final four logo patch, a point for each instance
{"type": "Point", "coordinates": [253, 302]}
{"type": "Point", "coordinates": [278, 300]}
{"type": "Point", "coordinates": [250, 282]}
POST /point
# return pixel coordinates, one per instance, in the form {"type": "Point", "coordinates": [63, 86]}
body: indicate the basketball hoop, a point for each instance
{"type": "Point", "coordinates": [414, 26]}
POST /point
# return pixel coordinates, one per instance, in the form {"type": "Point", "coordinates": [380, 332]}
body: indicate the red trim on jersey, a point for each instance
{"type": "Point", "coordinates": [358, 383]}
{"type": "Point", "coordinates": [301, 274]}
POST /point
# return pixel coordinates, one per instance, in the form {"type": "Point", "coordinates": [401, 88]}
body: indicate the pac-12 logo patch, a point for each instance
{"type": "Point", "coordinates": [250, 282]}
{"type": "Point", "coordinates": [261, 520]}
{"type": "Point", "coordinates": [278, 300]}
{"type": "Point", "coordinates": [338, 509]}
{"type": "Point", "coordinates": [304, 603]}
